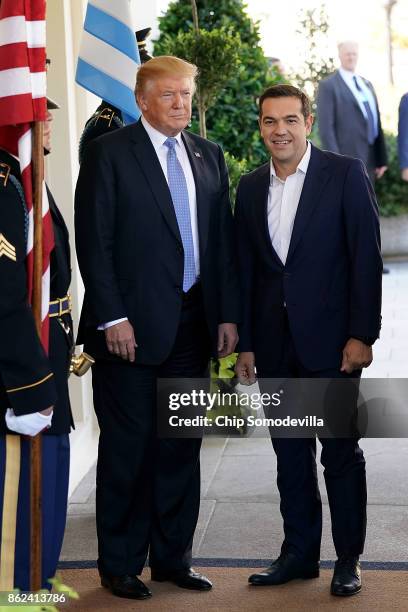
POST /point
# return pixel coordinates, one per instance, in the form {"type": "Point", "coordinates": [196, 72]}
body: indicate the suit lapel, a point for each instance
{"type": "Point", "coordinates": [349, 94]}
{"type": "Point", "coordinates": [197, 163]}
{"type": "Point", "coordinates": [146, 156]}
{"type": "Point", "coordinates": [260, 195]}
{"type": "Point", "coordinates": [315, 181]}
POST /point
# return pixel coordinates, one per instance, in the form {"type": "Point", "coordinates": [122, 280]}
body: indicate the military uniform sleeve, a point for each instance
{"type": "Point", "coordinates": [24, 367]}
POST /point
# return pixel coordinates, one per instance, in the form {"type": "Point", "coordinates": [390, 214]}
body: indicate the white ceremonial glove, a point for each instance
{"type": "Point", "coordinates": [28, 424]}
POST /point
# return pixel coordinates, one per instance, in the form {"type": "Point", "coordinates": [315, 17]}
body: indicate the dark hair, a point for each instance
{"type": "Point", "coordinates": [286, 91]}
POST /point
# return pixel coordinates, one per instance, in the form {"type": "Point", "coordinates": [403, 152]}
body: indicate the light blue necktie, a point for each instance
{"type": "Point", "coordinates": [372, 132]}
{"type": "Point", "coordinates": [179, 195]}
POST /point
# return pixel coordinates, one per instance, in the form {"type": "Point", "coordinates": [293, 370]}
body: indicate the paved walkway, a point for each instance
{"type": "Point", "coordinates": [240, 517]}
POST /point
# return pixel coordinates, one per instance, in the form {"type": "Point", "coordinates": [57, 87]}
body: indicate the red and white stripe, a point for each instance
{"type": "Point", "coordinates": [23, 101]}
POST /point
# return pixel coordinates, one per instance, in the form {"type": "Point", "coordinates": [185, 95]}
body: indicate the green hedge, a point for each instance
{"type": "Point", "coordinates": [236, 168]}
{"type": "Point", "coordinates": [391, 190]}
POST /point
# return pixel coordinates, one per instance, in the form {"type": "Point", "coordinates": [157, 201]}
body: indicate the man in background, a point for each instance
{"type": "Point", "coordinates": [348, 116]}
{"type": "Point", "coordinates": [403, 136]}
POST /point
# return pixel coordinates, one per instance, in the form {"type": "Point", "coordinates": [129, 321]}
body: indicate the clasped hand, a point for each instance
{"type": "Point", "coordinates": [356, 355]}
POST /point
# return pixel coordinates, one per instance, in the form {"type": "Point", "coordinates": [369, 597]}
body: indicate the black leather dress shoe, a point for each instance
{"type": "Point", "coordinates": [286, 567]}
{"type": "Point", "coordinates": [186, 579]}
{"type": "Point", "coordinates": [347, 577]}
{"type": "Point", "coordinates": [125, 586]}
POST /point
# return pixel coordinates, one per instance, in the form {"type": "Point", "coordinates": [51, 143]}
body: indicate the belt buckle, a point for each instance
{"type": "Point", "coordinates": [65, 305]}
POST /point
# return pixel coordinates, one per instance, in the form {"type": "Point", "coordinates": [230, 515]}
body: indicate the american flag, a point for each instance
{"type": "Point", "coordinates": [23, 101]}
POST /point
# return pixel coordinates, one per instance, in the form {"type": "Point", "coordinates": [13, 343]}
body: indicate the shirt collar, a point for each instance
{"type": "Point", "coordinates": [348, 75]}
{"type": "Point", "coordinates": [302, 165]}
{"type": "Point", "coordinates": [158, 139]}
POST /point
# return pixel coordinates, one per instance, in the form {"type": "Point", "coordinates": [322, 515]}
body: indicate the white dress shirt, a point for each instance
{"type": "Point", "coordinates": [158, 139]}
{"type": "Point", "coordinates": [283, 202]}
{"type": "Point", "coordinates": [365, 95]}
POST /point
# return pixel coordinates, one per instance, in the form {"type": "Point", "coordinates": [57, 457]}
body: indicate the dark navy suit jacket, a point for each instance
{"type": "Point", "coordinates": [330, 285]}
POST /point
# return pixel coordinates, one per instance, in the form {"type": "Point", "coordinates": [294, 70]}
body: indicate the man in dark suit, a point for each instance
{"type": "Point", "coordinates": [155, 248]}
{"type": "Point", "coordinates": [403, 136]}
{"type": "Point", "coordinates": [348, 115]}
{"type": "Point", "coordinates": [310, 269]}
{"type": "Point", "coordinates": [33, 386]}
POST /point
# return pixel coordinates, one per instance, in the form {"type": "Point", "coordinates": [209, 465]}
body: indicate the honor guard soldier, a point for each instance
{"type": "Point", "coordinates": [33, 387]}
{"type": "Point", "coordinates": [108, 118]}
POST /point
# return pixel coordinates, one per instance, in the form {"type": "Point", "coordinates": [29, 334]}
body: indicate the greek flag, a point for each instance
{"type": "Point", "coordinates": [109, 56]}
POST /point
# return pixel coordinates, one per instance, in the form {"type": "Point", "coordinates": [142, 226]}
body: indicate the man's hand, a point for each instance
{"type": "Point", "coordinates": [356, 355]}
{"type": "Point", "coordinates": [404, 174]}
{"type": "Point", "coordinates": [227, 339]}
{"type": "Point", "coordinates": [29, 424]}
{"type": "Point", "coordinates": [245, 368]}
{"type": "Point", "coordinates": [379, 172]}
{"type": "Point", "coordinates": [120, 340]}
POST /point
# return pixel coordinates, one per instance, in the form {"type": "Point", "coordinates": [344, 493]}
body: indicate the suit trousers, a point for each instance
{"type": "Point", "coordinates": [344, 473]}
{"type": "Point", "coordinates": [147, 488]}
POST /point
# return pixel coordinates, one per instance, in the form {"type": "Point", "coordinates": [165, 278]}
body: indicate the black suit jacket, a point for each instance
{"type": "Point", "coordinates": [129, 247]}
{"type": "Point", "coordinates": [330, 285]}
{"type": "Point", "coordinates": [342, 125]}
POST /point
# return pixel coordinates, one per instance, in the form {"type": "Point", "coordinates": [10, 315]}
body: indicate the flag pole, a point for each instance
{"type": "Point", "coordinates": [36, 442]}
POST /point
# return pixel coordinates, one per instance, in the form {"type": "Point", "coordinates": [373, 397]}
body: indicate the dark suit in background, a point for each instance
{"type": "Point", "coordinates": [131, 259]}
{"type": "Point", "coordinates": [343, 126]}
{"type": "Point", "coordinates": [403, 136]}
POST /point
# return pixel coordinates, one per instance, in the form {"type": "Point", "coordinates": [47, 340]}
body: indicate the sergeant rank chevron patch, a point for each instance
{"type": "Point", "coordinates": [7, 249]}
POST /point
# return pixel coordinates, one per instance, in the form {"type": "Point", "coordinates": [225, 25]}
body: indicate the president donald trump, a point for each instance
{"type": "Point", "coordinates": [155, 249]}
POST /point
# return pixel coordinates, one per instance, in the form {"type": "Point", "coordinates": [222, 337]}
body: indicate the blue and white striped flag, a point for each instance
{"type": "Point", "coordinates": [109, 56]}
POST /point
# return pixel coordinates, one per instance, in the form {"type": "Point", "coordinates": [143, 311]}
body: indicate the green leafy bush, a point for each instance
{"type": "Point", "coordinates": [391, 190]}
{"type": "Point", "coordinates": [232, 120]}
{"type": "Point", "coordinates": [215, 53]}
{"type": "Point", "coordinates": [236, 168]}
